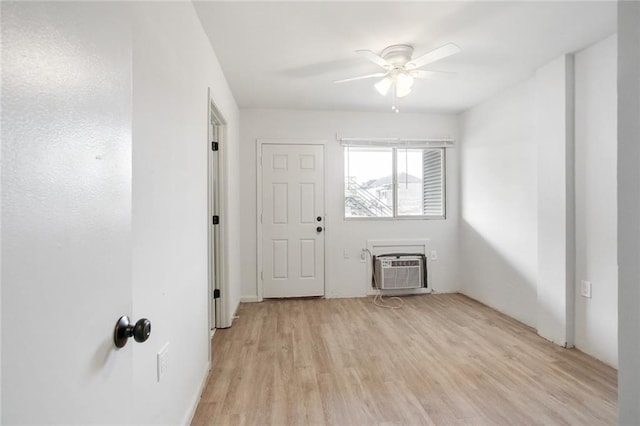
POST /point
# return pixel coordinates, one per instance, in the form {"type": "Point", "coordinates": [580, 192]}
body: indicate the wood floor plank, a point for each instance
{"type": "Point", "coordinates": [442, 359]}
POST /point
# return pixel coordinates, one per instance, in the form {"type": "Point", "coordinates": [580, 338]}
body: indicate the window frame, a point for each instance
{"type": "Point", "coordinates": [394, 174]}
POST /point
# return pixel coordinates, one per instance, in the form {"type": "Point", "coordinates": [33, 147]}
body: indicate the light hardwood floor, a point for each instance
{"type": "Point", "coordinates": [443, 359]}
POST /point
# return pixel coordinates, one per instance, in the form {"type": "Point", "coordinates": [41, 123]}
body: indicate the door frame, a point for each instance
{"type": "Point", "coordinates": [259, 144]}
{"type": "Point", "coordinates": [217, 278]}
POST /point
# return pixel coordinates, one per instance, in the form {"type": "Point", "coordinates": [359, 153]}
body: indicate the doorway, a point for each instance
{"type": "Point", "coordinates": [291, 219]}
{"type": "Point", "coordinates": [215, 144]}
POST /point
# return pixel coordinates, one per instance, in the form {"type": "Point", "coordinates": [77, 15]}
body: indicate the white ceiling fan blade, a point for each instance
{"type": "Point", "coordinates": [432, 74]}
{"type": "Point", "coordinates": [376, 59]}
{"type": "Point", "coordinates": [435, 55]}
{"type": "Point", "coordinates": [378, 74]}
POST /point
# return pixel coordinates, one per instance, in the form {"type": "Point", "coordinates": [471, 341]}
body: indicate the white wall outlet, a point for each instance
{"type": "Point", "coordinates": [585, 289]}
{"type": "Point", "coordinates": [345, 254]}
{"type": "Point", "coordinates": [163, 361]}
{"type": "Point", "coordinates": [363, 255]}
{"type": "Point", "coordinates": [434, 255]}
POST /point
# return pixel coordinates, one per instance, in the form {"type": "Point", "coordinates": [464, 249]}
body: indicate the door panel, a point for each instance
{"type": "Point", "coordinates": [66, 212]}
{"type": "Point", "coordinates": [307, 258]}
{"type": "Point", "coordinates": [280, 259]}
{"type": "Point", "coordinates": [293, 199]}
{"type": "Point", "coordinates": [280, 203]}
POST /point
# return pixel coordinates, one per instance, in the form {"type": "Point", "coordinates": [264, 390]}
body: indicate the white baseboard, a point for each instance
{"type": "Point", "coordinates": [249, 299]}
{"type": "Point", "coordinates": [344, 296]}
{"type": "Point", "coordinates": [188, 418]}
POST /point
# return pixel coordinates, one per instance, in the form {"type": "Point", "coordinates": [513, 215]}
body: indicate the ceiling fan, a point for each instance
{"type": "Point", "coordinates": [400, 70]}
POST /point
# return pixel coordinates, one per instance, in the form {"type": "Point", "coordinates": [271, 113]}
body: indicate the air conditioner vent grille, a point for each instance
{"type": "Point", "coordinates": [399, 273]}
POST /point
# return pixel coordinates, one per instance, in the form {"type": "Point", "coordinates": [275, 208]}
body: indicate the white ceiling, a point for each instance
{"type": "Point", "coordinates": [287, 54]}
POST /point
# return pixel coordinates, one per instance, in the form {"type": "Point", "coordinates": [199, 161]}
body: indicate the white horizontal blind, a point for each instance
{"type": "Point", "coordinates": [433, 182]}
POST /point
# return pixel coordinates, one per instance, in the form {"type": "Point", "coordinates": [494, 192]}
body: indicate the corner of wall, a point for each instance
{"type": "Point", "coordinates": [628, 211]}
{"type": "Point", "coordinates": [554, 136]}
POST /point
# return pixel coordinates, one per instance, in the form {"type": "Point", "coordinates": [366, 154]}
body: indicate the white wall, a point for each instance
{"type": "Point", "coordinates": [173, 67]}
{"type": "Point", "coordinates": [498, 184]}
{"type": "Point", "coordinates": [629, 212]}
{"type": "Point", "coordinates": [500, 196]}
{"type": "Point", "coordinates": [348, 277]}
{"type": "Point", "coordinates": [596, 200]}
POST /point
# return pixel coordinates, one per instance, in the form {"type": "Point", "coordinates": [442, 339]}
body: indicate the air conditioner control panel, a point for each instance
{"type": "Point", "coordinates": [393, 263]}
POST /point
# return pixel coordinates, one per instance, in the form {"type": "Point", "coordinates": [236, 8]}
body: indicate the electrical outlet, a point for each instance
{"type": "Point", "coordinates": [363, 255]}
{"type": "Point", "coordinates": [585, 289]}
{"type": "Point", "coordinates": [163, 361]}
{"type": "Point", "coordinates": [345, 254]}
{"type": "Point", "coordinates": [434, 255]}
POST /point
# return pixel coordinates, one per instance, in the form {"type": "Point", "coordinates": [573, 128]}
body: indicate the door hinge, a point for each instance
{"type": "Point", "coordinates": [214, 146]}
{"type": "Point", "coordinates": [216, 293]}
{"type": "Point", "coordinates": [261, 277]}
{"type": "Point", "coordinates": [216, 220]}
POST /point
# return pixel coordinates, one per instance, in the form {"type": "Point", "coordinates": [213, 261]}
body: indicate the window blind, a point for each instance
{"type": "Point", "coordinates": [433, 182]}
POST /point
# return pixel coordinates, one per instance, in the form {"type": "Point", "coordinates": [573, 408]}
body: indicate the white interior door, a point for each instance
{"type": "Point", "coordinates": [66, 213]}
{"type": "Point", "coordinates": [214, 209]}
{"type": "Point", "coordinates": [292, 220]}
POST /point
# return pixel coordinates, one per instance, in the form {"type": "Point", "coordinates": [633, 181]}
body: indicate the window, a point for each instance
{"type": "Point", "coordinates": [388, 182]}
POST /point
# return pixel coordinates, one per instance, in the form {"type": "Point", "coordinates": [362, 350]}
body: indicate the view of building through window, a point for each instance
{"type": "Point", "coordinates": [369, 182]}
{"type": "Point", "coordinates": [366, 193]}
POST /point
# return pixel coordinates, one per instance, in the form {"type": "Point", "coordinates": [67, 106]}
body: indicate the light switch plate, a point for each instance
{"type": "Point", "coordinates": [585, 289]}
{"type": "Point", "coordinates": [163, 361]}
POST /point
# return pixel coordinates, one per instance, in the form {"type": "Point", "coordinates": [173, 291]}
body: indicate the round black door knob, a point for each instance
{"type": "Point", "coordinates": [319, 229]}
{"type": "Point", "coordinates": [319, 218]}
{"type": "Point", "coordinates": [142, 330]}
{"type": "Point", "coordinates": [124, 329]}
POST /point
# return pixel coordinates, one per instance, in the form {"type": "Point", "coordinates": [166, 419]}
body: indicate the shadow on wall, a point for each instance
{"type": "Point", "coordinates": [493, 279]}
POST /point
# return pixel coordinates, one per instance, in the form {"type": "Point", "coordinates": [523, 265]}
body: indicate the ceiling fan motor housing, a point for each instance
{"type": "Point", "coordinates": [397, 55]}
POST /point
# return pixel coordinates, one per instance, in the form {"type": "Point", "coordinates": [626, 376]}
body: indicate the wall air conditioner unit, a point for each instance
{"type": "Point", "coordinates": [394, 272]}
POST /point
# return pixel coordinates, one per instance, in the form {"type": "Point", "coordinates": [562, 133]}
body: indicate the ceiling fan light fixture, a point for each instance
{"type": "Point", "coordinates": [404, 82]}
{"type": "Point", "coordinates": [402, 92]}
{"type": "Point", "coordinates": [383, 86]}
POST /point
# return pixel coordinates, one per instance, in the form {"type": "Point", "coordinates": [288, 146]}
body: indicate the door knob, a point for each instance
{"type": "Point", "coordinates": [319, 218]}
{"type": "Point", "coordinates": [319, 229]}
{"type": "Point", "coordinates": [140, 331]}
